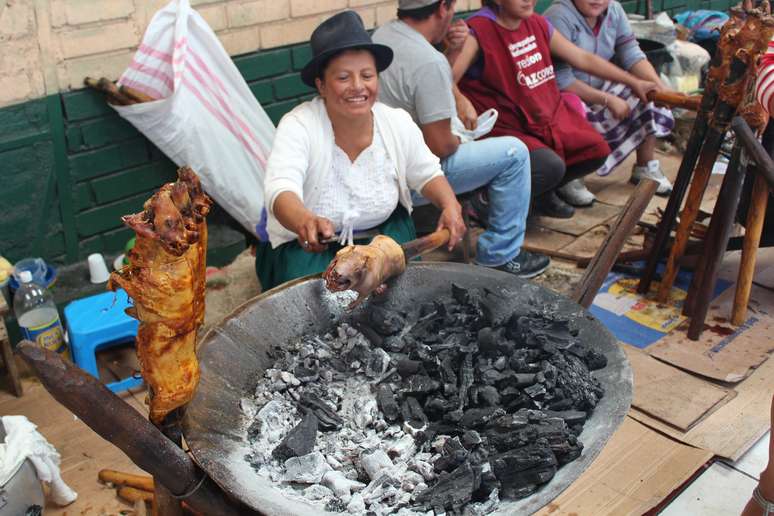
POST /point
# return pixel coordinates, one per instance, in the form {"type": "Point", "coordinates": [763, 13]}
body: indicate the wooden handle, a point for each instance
{"type": "Point", "coordinates": [425, 244]}
{"type": "Point", "coordinates": [120, 478]}
{"type": "Point", "coordinates": [675, 100]}
{"type": "Point", "coordinates": [135, 95]}
{"type": "Point", "coordinates": [130, 494]}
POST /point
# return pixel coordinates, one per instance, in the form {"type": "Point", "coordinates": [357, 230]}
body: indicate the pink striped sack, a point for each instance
{"type": "Point", "coordinates": [205, 116]}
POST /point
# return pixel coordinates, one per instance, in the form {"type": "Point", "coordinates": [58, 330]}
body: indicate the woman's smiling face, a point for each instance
{"type": "Point", "coordinates": [350, 83]}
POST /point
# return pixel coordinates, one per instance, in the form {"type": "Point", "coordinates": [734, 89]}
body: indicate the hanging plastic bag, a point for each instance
{"type": "Point", "coordinates": [485, 123]}
{"type": "Point", "coordinates": [205, 116]}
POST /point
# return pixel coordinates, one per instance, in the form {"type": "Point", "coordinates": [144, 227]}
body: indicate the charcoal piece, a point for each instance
{"type": "Point", "coordinates": [336, 505]}
{"type": "Point", "coordinates": [453, 455]}
{"type": "Point", "coordinates": [497, 309]}
{"type": "Point", "coordinates": [377, 363]}
{"type": "Point", "coordinates": [326, 416]}
{"type": "Point", "coordinates": [562, 404]}
{"type": "Point", "coordinates": [571, 417]}
{"type": "Point", "coordinates": [470, 439]}
{"type": "Point", "coordinates": [591, 357]}
{"type": "Point", "coordinates": [408, 367]}
{"type": "Point", "coordinates": [394, 343]}
{"type": "Point", "coordinates": [359, 353]}
{"type": "Point", "coordinates": [466, 378]}
{"type": "Point", "coordinates": [524, 379]}
{"type": "Point", "coordinates": [488, 339]}
{"type": "Point", "coordinates": [480, 417]}
{"type": "Point", "coordinates": [426, 354]}
{"type": "Point", "coordinates": [536, 391]}
{"type": "Point", "coordinates": [503, 440]}
{"type": "Point", "coordinates": [512, 421]}
{"type": "Point", "coordinates": [385, 399]}
{"type": "Point", "coordinates": [338, 365]}
{"type": "Point", "coordinates": [420, 384]}
{"type": "Point", "coordinates": [577, 383]}
{"type": "Point", "coordinates": [500, 364]}
{"type": "Point", "coordinates": [436, 406]}
{"type": "Point", "coordinates": [473, 395]}
{"type": "Point", "coordinates": [299, 441]}
{"type": "Point", "coordinates": [521, 471]}
{"type": "Point", "coordinates": [306, 469]}
{"type": "Point", "coordinates": [568, 450]}
{"type": "Point", "coordinates": [307, 371]}
{"type": "Point", "coordinates": [488, 395]}
{"type": "Point", "coordinates": [412, 413]}
{"type": "Point", "coordinates": [384, 321]}
{"type": "Point", "coordinates": [493, 376]}
{"type": "Point", "coordinates": [364, 327]}
{"type": "Point", "coordinates": [452, 491]}
{"type": "Point", "coordinates": [454, 416]}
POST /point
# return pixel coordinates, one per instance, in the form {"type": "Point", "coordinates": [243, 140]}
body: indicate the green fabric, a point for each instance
{"type": "Point", "coordinates": [289, 261]}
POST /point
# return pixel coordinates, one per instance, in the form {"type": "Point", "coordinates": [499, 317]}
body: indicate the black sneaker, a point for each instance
{"type": "Point", "coordinates": [526, 265]}
{"type": "Point", "coordinates": [550, 205]}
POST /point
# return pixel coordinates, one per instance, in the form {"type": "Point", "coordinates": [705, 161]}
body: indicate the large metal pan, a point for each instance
{"type": "Point", "coordinates": [233, 357]}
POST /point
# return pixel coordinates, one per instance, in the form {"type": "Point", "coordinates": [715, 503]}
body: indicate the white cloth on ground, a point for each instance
{"type": "Point", "coordinates": [23, 441]}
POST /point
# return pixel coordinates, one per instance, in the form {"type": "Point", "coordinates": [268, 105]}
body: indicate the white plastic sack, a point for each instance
{"type": "Point", "coordinates": [205, 117]}
{"type": "Point", "coordinates": [485, 123]}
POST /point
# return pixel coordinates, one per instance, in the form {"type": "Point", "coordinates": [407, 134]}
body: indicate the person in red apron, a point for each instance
{"type": "Point", "coordinates": [507, 65]}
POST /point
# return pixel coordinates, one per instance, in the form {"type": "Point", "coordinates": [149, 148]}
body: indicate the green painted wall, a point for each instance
{"type": "Point", "coordinates": [70, 167]}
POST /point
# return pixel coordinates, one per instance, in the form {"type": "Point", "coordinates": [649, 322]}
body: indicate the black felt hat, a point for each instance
{"type": "Point", "coordinates": [344, 31]}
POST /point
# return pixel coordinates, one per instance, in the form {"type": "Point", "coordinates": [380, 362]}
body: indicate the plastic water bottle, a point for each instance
{"type": "Point", "coordinates": [37, 315]}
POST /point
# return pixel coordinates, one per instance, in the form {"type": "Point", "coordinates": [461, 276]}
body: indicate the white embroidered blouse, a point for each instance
{"type": "Point", "coordinates": [358, 195]}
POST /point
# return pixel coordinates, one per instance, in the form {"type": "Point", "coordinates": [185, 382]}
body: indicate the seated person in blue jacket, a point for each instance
{"type": "Point", "coordinates": [626, 123]}
{"type": "Point", "coordinates": [343, 162]}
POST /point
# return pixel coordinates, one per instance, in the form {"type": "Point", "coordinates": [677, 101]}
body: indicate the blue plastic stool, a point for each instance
{"type": "Point", "coordinates": [99, 322]}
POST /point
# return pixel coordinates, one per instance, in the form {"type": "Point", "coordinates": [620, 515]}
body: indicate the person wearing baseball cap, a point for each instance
{"type": "Point", "coordinates": [343, 163]}
{"type": "Point", "coordinates": [420, 81]}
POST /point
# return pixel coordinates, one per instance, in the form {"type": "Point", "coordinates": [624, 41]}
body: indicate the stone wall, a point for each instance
{"type": "Point", "coordinates": [51, 45]}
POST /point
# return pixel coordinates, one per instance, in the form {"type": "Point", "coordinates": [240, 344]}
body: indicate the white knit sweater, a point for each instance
{"type": "Point", "coordinates": [303, 149]}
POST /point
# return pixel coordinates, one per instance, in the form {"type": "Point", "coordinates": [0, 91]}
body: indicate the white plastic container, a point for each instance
{"type": "Point", "coordinates": [37, 315]}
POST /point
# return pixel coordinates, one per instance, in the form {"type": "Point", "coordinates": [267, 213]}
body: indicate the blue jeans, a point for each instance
{"type": "Point", "coordinates": [501, 164]}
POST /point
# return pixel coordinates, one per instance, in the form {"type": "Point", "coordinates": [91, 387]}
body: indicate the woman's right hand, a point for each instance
{"type": "Point", "coordinates": [641, 88]}
{"type": "Point", "coordinates": [311, 229]}
{"type": "Point", "coordinates": [618, 107]}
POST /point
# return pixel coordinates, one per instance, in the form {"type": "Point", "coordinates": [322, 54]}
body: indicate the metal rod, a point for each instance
{"type": "Point", "coordinates": [754, 148]}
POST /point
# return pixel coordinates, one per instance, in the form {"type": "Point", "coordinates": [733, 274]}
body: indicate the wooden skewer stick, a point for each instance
{"type": "Point", "coordinates": [119, 478]}
{"type": "Point", "coordinates": [675, 100]}
{"type": "Point", "coordinates": [425, 244]}
{"type": "Point", "coordinates": [130, 494]}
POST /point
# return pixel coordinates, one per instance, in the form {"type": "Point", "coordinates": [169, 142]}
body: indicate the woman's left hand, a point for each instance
{"type": "Point", "coordinates": [641, 88]}
{"type": "Point", "coordinates": [451, 219]}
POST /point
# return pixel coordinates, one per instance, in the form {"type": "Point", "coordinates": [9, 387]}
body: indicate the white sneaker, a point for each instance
{"type": "Point", "coordinates": [652, 171]}
{"type": "Point", "coordinates": [576, 193]}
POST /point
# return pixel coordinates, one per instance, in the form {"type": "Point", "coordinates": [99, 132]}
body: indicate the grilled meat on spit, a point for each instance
{"type": "Point", "coordinates": [365, 268]}
{"type": "Point", "coordinates": [166, 280]}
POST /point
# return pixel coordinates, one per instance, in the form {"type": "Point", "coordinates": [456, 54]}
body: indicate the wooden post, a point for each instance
{"type": "Point", "coordinates": [734, 166]}
{"type": "Point", "coordinates": [752, 238]}
{"type": "Point", "coordinates": [715, 245]}
{"type": "Point", "coordinates": [603, 261]}
{"type": "Point", "coordinates": [7, 352]}
{"type": "Point", "coordinates": [117, 422]}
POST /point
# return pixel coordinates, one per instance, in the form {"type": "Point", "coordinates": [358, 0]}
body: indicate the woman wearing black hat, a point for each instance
{"type": "Point", "coordinates": [343, 163]}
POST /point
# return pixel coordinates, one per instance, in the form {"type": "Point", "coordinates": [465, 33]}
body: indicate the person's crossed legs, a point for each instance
{"type": "Point", "coordinates": [502, 165]}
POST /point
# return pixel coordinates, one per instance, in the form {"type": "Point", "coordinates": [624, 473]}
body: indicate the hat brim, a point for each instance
{"type": "Point", "coordinates": [382, 56]}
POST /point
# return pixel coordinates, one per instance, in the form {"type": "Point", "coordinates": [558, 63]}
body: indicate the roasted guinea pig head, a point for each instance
{"type": "Point", "coordinates": [365, 268]}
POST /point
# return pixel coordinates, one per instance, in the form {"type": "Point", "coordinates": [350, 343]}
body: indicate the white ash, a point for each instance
{"type": "Point", "coordinates": [368, 465]}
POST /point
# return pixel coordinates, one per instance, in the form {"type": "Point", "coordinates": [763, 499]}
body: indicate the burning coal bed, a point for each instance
{"type": "Point", "coordinates": [445, 409]}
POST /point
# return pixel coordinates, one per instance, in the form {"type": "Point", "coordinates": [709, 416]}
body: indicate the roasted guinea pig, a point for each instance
{"type": "Point", "coordinates": [365, 268]}
{"type": "Point", "coordinates": [166, 279]}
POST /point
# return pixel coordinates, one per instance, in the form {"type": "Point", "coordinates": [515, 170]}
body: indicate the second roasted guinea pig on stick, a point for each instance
{"type": "Point", "coordinates": [366, 268]}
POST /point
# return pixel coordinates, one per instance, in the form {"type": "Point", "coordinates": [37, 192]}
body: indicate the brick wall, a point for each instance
{"type": "Point", "coordinates": [49, 46]}
{"type": "Point", "coordinates": [71, 166]}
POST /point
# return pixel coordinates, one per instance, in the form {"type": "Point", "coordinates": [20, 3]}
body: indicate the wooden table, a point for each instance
{"type": "Point", "coordinates": [7, 351]}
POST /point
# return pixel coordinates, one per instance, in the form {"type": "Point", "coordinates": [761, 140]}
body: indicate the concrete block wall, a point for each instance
{"type": "Point", "coordinates": [49, 46]}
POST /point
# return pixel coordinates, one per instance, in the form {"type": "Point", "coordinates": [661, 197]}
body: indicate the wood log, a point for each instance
{"type": "Point", "coordinates": [123, 426]}
{"type": "Point", "coordinates": [131, 494]}
{"type": "Point", "coordinates": [112, 92]}
{"type": "Point", "coordinates": [675, 100]}
{"type": "Point", "coordinates": [715, 245]}
{"type": "Point", "coordinates": [119, 478]}
{"type": "Point", "coordinates": [606, 256]}
{"type": "Point", "coordinates": [135, 95]}
{"type": "Point", "coordinates": [754, 148]}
